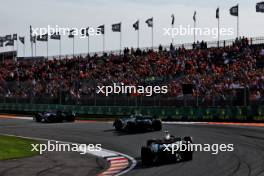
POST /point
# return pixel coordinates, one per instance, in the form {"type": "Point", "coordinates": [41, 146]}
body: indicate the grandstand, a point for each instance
{"type": "Point", "coordinates": [221, 76]}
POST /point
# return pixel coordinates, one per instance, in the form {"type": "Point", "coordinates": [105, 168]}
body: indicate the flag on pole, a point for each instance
{"type": "Point", "coordinates": [8, 37]}
{"type": "Point", "coordinates": [102, 29]}
{"type": "Point", "coordinates": [71, 35]}
{"type": "Point", "coordinates": [136, 25]}
{"type": "Point", "coordinates": [22, 39]}
{"type": "Point", "coordinates": [55, 36]}
{"type": "Point", "coordinates": [260, 7]}
{"type": "Point", "coordinates": [194, 16]}
{"type": "Point", "coordinates": [217, 13]}
{"type": "Point", "coordinates": [150, 22]}
{"type": "Point", "coordinates": [42, 38]}
{"type": "Point", "coordinates": [10, 43]}
{"type": "Point", "coordinates": [116, 27]}
{"type": "Point", "coordinates": [85, 32]}
{"type": "Point", "coordinates": [234, 11]}
{"type": "Point", "coordinates": [172, 19]}
{"type": "Point", "coordinates": [30, 30]}
{"type": "Point", "coordinates": [14, 36]}
{"type": "Point", "coordinates": [32, 38]}
{"type": "Point", "coordinates": [2, 39]}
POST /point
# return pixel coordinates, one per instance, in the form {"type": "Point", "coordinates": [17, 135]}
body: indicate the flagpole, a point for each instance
{"type": "Point", "coordinates": [152, 35]}
{"type": "Point", "coordinates": [103, 43]}
{"type": "Point", "coordinates": [218, 19]}
{"type": "Point", "coordinates": [73, 46]}
{"type": "Point", "coordinates": [3, 56]}
{"type": "Point", "coordinates": [172, 25]}
{"type": "Point", "coordinates": [172, 39]}
{"type": "Point", "coordinates": [237, 21]}
{"type": "Point", "coordinates": [17, 46]}
{"type": "Point", "coordinates": [120, 39]}
{"type": "Point", "coordinates": [218, 44]}
{"type": "Point", "coordinates": [31, 49]}
{"type": "Point", "coordinates": [47, 49]}
{"type": "Point", "coordinates": [13, 50]}
{"type": "Point", "coordinates": [60, 48]}
{"type": "Point", "coordinates": [24, 49]}
{"type": "Point", "coordinates": [194, 35]}
{"type": "Point", "coordinates": [31, 41]}
{"type": "Point", "coordinates": [88, 40]}
{"type": "Point", "coordinates": [138, 39]}
{"type": "Point", "coordinates": [35, 48]}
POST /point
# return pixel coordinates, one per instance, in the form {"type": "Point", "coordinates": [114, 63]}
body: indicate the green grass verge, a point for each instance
{"type": "Point", "coordinates": [14, 147]}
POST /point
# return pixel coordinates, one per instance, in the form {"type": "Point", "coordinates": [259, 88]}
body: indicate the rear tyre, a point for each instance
{"type": "Point", "coordinates": [118, 125]}
{"type": "Point", "coordinates": [131, 127]}
{"type": "Point", "coordinates": [146, 156]}
{"type": "Point", "coordinates": [188, 139]}
{"type": "Point", "coordinates": [37, 118]}
{"type": "Point", "coordinates": [71, 119]}
{"type": "Point", "coordinates": [157, 125]}
{"type": "Point", "coordinates": [188, 155]}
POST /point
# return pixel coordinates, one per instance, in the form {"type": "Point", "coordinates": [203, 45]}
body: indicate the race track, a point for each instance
{"type": "Point", "coordinates": [246, 160]}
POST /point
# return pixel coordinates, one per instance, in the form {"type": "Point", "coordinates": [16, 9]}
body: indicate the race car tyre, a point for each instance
{"type": "Point", "coordinates": [70, 119]}
{"type": "Point", "coordinates": [187, 156]}
{"type": "Point", "coordinates": [146, 156]}
{"type": "Point", "coordinates": [157, 125]}
{"type": "Point", "coordinates": [188, 139]}
{"type": "Point", "coordinates": [131, 127]}
{"type": "Point", "coordinates": [37, 118]}
{"type": "Point", "coordinates": [118, 125]}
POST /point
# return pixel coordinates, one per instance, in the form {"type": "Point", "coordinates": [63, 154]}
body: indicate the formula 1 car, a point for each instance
{"type": "Point", "coordinates": [55, 117]}
{"type": "Point", "coordinates": [166, 150]}
{"type": "Point", "coordinates": [137, 122]}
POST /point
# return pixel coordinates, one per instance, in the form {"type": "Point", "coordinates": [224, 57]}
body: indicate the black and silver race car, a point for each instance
{"type": "Point", "coordinates": [135, 123]}
{"type": "Point", "coordinates": [166, 150]}
{"type": "Point", "coordinates": [55, 117]}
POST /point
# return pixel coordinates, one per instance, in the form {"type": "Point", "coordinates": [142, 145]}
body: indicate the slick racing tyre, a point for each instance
{"type": "Point", "coordinates": [188, 155]}
{"type": "Point", "coordinates": [118, 125]}
{"type": "Point", "coordinates": [146, 156]}
{"type": "Point", "coordinates": [157, 125]}
{"type": "Point", "coordinates": [37, 118]}
{"type": "Point", "coordinates": [131, 127]}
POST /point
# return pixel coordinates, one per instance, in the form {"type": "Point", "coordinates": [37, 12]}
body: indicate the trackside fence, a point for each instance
{"type": "Point", "coordinates": [247, 113]}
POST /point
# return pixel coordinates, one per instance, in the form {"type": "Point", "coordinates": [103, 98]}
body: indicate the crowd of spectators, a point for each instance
{"type": "Point", "coordinates": [213, 71]}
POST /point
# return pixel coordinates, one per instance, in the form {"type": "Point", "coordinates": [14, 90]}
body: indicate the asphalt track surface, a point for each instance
{"type": "Point", "coordinates": [246, 160]}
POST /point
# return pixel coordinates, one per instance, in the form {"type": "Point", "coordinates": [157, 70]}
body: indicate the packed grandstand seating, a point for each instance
{"type": "Point", "coordinates": [214, 71]}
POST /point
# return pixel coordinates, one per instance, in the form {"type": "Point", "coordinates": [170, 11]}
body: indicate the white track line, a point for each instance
{"type": "Point", "coordinates": [185, 123]}
{"type": "Point", "coordinates": [16, 117]}
{"type": "Point", "coordinates": [106, 154]}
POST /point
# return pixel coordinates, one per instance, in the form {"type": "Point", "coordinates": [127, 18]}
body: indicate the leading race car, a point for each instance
{"type": "Point", "coordinates": [166, 150]}
{"type": "Point", "coordinates": [55, 117]}
{"type": "Point", "coordinates": [137, 122]}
